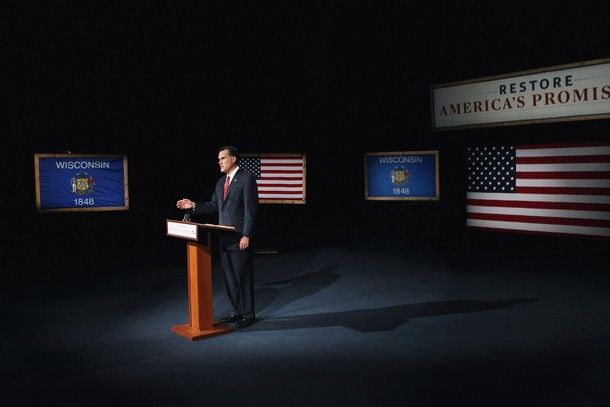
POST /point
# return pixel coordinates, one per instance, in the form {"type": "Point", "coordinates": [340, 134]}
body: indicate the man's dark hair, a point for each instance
{"type": "Point", "coordinates": [233, 151]}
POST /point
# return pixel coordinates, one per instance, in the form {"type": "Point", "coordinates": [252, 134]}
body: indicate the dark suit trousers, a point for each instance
{"type": "Point", "coordinates": [237, 267]}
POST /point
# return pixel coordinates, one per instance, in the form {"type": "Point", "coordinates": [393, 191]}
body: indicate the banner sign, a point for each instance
{"type": "Point", "coordinates": [280, 178]}
{"type": "Point", "coordinates": [563, 93]}
{"type": "Point", "coordinates": [403, 175]}
{"type": "Point", "coordinates": [81, 182]}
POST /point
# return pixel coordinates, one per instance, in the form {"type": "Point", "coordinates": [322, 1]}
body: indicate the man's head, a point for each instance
{"type": "Point", "coordinates": [228, 157]}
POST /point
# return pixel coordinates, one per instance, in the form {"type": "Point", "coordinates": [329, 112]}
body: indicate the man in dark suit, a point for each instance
{"type": "Point", "coordinates": [235, 198]}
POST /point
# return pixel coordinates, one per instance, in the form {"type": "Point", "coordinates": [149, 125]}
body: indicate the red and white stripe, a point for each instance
{"type": "Point", "coordinates": [282, 178]}
{"type": "Point", "coordinates": [561, 189]}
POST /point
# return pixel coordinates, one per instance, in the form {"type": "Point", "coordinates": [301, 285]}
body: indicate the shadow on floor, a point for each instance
{"type": "Point", "coordinates": [274, 295]}
{"type": "Point", "coordinates": [382, 319]}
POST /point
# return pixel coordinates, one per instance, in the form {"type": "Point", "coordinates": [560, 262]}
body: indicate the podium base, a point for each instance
{"type": "Point", "coordinates": [194, 334]}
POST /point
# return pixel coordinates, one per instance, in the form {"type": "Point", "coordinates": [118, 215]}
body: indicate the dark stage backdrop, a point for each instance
{"type": "Point", "coordinates": [167, 84]}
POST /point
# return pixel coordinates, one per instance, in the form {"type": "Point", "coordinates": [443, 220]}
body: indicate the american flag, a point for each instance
{"type": "Point", "coordinates": [280, 177]}
{"type": "Point", "coordinates": [547, 189]}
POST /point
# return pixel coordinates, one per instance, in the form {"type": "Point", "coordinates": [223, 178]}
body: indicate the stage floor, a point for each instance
{"type": "Point", "coordinates": [340, 325]}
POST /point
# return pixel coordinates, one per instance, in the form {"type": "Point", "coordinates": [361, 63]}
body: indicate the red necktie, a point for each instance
{"type": "Point", "coordinates": [226, 188]}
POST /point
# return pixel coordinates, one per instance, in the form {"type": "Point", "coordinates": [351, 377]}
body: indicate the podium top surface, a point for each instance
{"type": "Point", "coordinates": [219, 227]}
{"type": "Point", "coordinates": [189, 230]}
{"type": "Point", "coordinates": [204, 225]}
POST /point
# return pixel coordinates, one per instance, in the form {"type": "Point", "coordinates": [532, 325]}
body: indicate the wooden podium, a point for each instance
{"type": "Point", "coordinates": [199, 268]}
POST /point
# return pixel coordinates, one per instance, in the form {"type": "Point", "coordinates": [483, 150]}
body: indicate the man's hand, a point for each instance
{"type": "Point", "coordinates": [244, 242]}
{"type": "Point", "coordinates": [184, 204]}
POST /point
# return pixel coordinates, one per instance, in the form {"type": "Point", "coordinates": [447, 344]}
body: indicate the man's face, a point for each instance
{"type": "Point", "coordinates": [226, 161]}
